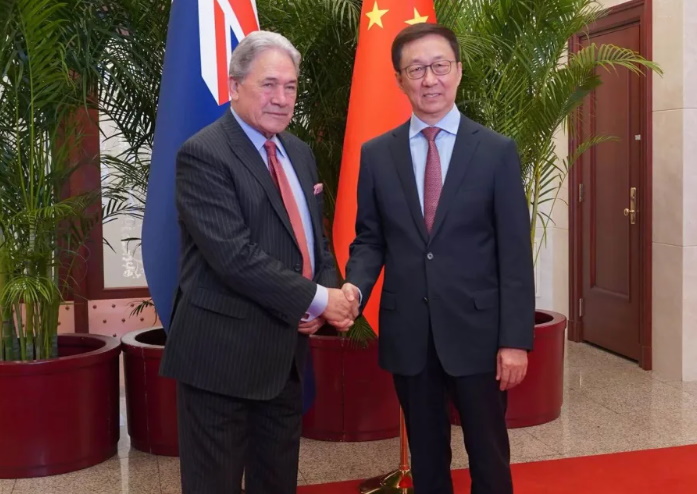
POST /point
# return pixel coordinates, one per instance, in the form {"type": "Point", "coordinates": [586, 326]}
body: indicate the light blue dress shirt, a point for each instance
{"type": "Point", "coordinates": [445, 142]}
{"type": "Point", "coordinates": [319, 303]}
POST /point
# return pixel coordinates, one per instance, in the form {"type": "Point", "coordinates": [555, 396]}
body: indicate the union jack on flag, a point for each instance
{"type": "Point", "coordinates": [222, 24]}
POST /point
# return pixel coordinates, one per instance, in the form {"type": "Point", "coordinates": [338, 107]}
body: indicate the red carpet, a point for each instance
{"type": "Point", "coordinates": [654, 471]}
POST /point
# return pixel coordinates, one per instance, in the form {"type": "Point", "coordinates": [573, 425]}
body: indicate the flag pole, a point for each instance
{"type": "Point", "coordinates": [397, 481]}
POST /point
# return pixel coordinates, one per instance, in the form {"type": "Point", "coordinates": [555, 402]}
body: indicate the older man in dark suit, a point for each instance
{"type": "Point", "coordinates": [441, 207]}
{"type": "Point", "coordinates": [255, 272]}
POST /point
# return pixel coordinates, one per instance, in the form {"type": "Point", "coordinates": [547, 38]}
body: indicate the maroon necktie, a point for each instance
{"type": "Point", "coordinates": [281, 180]}
{"type": "Point", "coordinates": [433, 178]}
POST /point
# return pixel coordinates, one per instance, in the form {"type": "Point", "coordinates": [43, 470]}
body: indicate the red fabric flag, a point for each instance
{"type": "Point", "coordinates": [376, 105]}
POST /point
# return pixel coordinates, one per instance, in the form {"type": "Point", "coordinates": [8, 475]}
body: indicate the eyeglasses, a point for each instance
{"type": "Point", "coordinates": [417, 71]}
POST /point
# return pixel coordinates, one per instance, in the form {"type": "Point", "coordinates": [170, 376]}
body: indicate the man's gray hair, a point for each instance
{"type": "Point", "coordinates": [255, 43]}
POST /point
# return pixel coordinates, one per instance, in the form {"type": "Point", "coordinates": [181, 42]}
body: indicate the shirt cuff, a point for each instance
{"type": "Point", "coordinates": [318, 305]}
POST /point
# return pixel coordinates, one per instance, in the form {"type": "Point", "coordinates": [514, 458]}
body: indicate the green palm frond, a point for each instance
{"type": "Point", "coordinates": [129, 93]}
{"type": "Point", "coordinates": [610, 57]}
{"type": "Point", "coordinates": [132, 68]}
{"type": "Point", "coordinates": [50, 63]}
{"type": "Point", "coordinates": [522, 82]}
{"type": "Point", "coordinates": [26, 289]}
{"type": "Point", "coordinates": [361, 333]}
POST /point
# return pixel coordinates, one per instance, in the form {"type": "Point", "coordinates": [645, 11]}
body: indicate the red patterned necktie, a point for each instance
{"type": "Point", "coordinates": [433, 178]}
{"type": "Point", "coordinates": [281, 180]}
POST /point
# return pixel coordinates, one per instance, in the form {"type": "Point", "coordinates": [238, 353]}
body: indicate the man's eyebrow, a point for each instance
{"type": "Point", "coordinates": [275, 79]}
{"type": "Point", "coordinates": [421, 62]}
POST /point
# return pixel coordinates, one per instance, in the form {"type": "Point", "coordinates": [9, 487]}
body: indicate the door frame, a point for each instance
{"type": "Point", "coordinates": [627, 13]}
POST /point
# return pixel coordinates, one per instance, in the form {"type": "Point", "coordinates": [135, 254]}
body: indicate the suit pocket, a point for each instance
{"type": "Point", "coordinates": [486, 300]}
{"type": "Point", "coordinates": [220, 303]}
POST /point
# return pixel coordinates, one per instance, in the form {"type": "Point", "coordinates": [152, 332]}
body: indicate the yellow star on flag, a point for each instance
{"type": "Point", "coordinates": [376, 16]}
{"type": "Point", "coordinates": [417, 18]}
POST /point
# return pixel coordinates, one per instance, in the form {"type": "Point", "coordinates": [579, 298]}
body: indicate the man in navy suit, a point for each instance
{"type": "Point", "coordinates": [441, 206]}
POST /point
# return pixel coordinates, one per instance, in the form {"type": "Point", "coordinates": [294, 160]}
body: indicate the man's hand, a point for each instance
{"type": "Point", "coordinates": [311, 327]}
{"type": "Point", "coordinates": [511, 367]}
{"type": "Point", "coordinates": [339, 311]}
{"type": "Point", "coordinates": [353, 295]}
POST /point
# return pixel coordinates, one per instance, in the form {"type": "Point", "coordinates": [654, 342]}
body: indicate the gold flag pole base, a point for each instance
{"type": "Point", "coordinates": [397, 481]}
{"type": "Point", "coordinates": [389, 484]}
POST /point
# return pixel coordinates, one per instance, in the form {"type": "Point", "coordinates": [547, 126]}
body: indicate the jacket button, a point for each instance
{"type": "Point", "coordinates": [426, 299]}
{"type": "Point", "coordinates": [429, 256]}
{"type": "Point", "coordinates": [297, 268]}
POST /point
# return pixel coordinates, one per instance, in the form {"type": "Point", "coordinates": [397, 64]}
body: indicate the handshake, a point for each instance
{"type": "Point", "coordinates": [342, 308]}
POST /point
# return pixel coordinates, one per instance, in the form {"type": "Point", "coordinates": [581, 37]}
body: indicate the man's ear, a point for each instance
{"type": "Point", "coordinates": [399, 78]}
{"type": "Point", "coordinates": [233, 89]}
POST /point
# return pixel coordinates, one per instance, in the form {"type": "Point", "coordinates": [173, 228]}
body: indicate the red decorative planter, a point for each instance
{"type": "Point", "coordinates": [538, 399]}
{"type": "Point", "coordinates": [355, 399]}
{"type": "Point", "coordinates": [151, 400]}
{"type": "Point", "coordinates": [60, 415]}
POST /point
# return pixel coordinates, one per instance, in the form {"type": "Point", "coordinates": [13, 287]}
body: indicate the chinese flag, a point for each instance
{"type": "Point", "coordinates": [376, 106]}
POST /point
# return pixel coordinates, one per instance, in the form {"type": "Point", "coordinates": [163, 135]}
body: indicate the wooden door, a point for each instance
{"type": "Point", "coordinates": [612, 200]}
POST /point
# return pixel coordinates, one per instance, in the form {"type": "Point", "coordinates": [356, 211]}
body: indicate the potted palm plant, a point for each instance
{"type": "Point", "coordinates": [60, 392]}
{"type": "Point", "coordinates": [519, 80]}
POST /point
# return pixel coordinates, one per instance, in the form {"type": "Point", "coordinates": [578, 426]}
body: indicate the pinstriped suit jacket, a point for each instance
{"type": "Point", "coordinates": [241, 294]}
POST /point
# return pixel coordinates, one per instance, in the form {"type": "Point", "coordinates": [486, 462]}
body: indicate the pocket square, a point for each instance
{"type": "Point", "coordinates": [317, 189]}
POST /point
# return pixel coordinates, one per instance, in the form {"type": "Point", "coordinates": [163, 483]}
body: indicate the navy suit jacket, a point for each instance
{"type": "Point", "coordinates": [470, 281]}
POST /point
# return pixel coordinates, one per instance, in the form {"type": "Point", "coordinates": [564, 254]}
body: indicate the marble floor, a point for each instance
{"type": "Point", "coordinates": [610, 405]}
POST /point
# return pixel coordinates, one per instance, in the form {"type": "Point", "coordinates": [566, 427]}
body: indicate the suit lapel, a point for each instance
{"type": "Point", "coordinates": [466, 143]}
{"type": "Point", "coordinates": [306, 184]}
{"type": "Point", "coordinates": [250, 158]}
{"type": "Point", "coordinates": [401, 157]}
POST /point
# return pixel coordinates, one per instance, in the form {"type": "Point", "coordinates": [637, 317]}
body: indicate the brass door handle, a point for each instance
{"type": "Point", "coordinates": [631, 211]}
